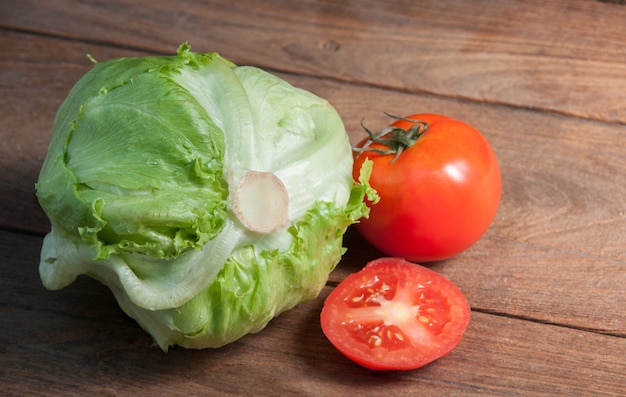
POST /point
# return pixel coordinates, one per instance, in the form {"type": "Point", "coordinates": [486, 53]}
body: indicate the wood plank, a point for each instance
{"type": "Point", "coordinates": [566, 56]}
{"type": "Point", "coordinates": [525, 281]}
{"type": "Point", "coordinates": [77, 342]}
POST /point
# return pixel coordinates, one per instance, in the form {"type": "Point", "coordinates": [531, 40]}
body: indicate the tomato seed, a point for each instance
{"type": "Point", "coordinates": [375, 341]}
{"type": "Point", "coordinates": [356, 299]}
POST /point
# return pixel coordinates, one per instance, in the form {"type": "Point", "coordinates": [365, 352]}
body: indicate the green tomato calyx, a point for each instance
{"type": "Point", "coordinates": [395, 138]}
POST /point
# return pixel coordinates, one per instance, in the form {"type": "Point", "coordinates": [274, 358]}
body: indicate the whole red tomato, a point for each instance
{"type": "Point", "coordinates": [439, 185]}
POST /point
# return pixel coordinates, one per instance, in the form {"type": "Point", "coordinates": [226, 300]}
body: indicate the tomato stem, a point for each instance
{"type": "Point", "coordinates": [395, 138]}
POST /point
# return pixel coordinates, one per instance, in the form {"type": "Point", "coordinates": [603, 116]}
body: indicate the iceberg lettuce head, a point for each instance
{"type": "Point", "coordinates": [209, 197]}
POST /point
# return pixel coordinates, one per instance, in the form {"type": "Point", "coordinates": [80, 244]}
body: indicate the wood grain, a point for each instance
{"type": "Point", "coordinates": [544, 81]}
{"type": "Point", "coordinates": [557, 232]}
{"type": "Point", "coordinates": [565, 56]}
{"type": "Point", "coordinates": [77, 342]}
{"type": "Point", "coordinates": [550, 198]}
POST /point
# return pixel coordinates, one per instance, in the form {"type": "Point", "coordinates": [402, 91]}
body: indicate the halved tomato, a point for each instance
{"type": "Point", "coordinates": [395, 315]}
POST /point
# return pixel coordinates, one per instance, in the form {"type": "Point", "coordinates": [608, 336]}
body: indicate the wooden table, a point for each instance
{"type": "Point", "coordinates": [544, 81]}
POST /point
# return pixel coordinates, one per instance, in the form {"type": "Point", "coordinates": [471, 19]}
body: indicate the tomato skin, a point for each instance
{"type": "Point", "coordinates": [438, 197]}
{"type": "Point", "coordinates": [395, 315]}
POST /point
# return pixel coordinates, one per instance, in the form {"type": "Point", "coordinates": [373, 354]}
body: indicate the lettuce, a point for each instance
{"type": "Point", "coordinates": [209, 197]}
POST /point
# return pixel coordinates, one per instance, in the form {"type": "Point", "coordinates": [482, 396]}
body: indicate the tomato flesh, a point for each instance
{"type": "Point", "coordinates": [438, 197]}
{"type": "Point", "coordinates": [395, 315]}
